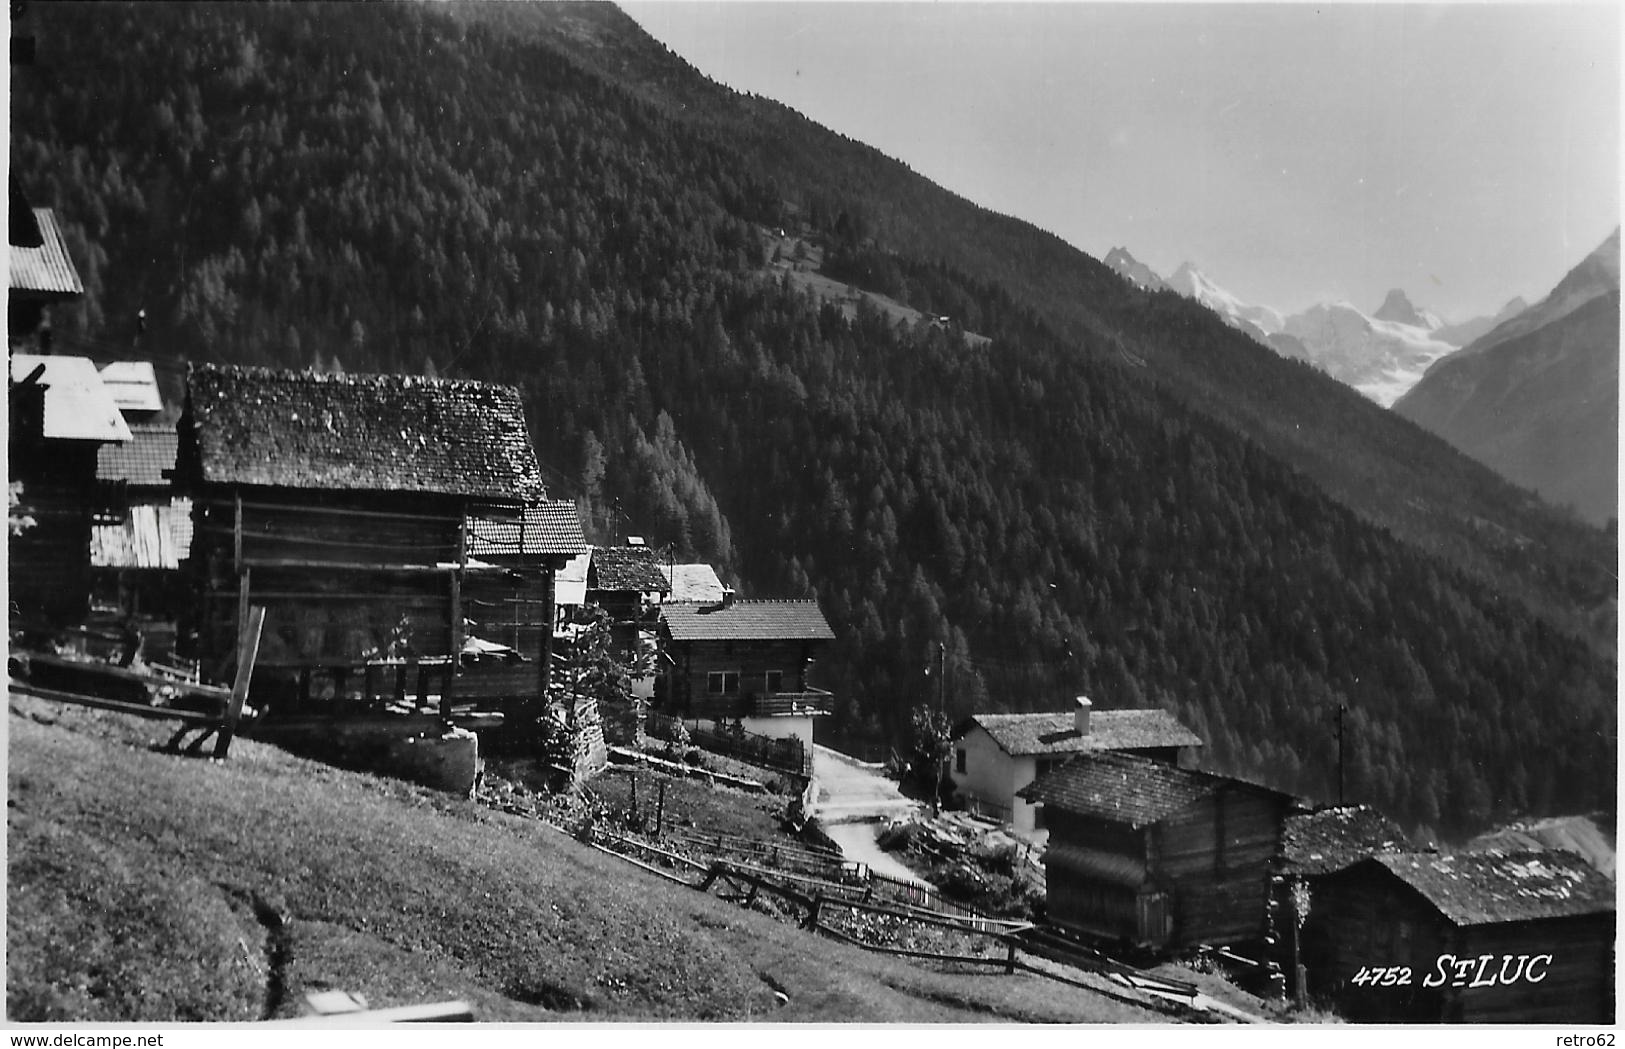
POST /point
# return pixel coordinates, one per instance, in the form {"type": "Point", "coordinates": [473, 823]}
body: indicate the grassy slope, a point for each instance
{"type": "Point", "coordinates": [152, 887]}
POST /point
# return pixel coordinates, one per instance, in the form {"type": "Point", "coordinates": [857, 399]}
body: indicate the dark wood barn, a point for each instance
{"type": "Point", "coordinates": [1155, 855]}
{"type": "Point", "coordinates": [1315, 844]}
{"type": "Point", "coordinates": [348, 505]}
{"type": "Point", "coordinates": [60, 417]}
{"type": "Point", "coordinates": [1524, 937]}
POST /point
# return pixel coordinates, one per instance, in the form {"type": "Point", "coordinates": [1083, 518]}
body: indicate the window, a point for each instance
{"type": "Point", "coordinates": [723, 682]}
{"type": "Point", "coordinates": [775, 681]}
{"type": "Point", "coordinates": [959, 761]}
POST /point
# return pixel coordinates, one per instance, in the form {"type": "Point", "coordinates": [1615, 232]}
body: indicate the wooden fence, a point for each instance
{"type": "Point", "coordinates": [786, 754]}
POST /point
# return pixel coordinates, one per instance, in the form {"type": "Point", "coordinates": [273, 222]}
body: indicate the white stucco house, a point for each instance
{"type": "Point", "coordinates": [996, 755]}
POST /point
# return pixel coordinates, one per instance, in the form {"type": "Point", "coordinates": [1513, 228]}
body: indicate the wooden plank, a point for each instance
{"type": "Point", "coordinates": [140, 710]}
{"type": "Point", "coordinates": [248, 650]}
{"type": "Point", "coordinates": [125, 674]}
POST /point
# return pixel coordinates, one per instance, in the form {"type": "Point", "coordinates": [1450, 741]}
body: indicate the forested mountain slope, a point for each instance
{"type": "Point", "coordinates": [1541, 408]}
{"type": "Point", "coordinates": [1117, 495]}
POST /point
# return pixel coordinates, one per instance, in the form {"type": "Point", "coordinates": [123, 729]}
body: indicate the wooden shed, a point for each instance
{"type": "Point", "coordinates": [1158, 856]}
{"type": "Point", "coordinates": [628, 582]}
{"type": "Point", "coordinates": [143, 533]}
{"type": "Point", "coordinates": [1317, 843]}
{"type": "Point", "coordinates": [1521, 937]}
{"type": "Point", "coordinates": [60, 418]}
{"type": "Point", "coordinates": [350, 506]}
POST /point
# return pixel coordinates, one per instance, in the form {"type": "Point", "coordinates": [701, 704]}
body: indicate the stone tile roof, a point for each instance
{"type": "Point", "coordinates": [378, 433]}
{"type": "Point", "coordinates": [627, 568]}
{"type": "Point", "coordinates": [1489, 888]}
{"type": "Point", "coordinates": [745, 620]}
{"type": "Point", "coordinates": [1337, 837]}
{"type": "Point", "coordinates": [551, 529]}
{"type": "Point", "coordinates": [45, 271]}
{"type": "Point", "coordinates": [693, 583]}
{"type": "Point", "coordinates": [1022, 734]}
{"type": "Point", "coordinates": [77, 404]}
{"type": "Point", "coordinates": [141, 460]}
{"type": "Point", "coordinates": [1127, 788]}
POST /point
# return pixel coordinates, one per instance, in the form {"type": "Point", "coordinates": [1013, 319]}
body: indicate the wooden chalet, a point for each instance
{"type": "Point", "coordinates": [351, 507]}
{"type": "Point", "coordinates": [60, 418]}
{"type": "Point", "coordinates": [1519, 937]}
{"type": "Point", "coordinates": [744, 660]}
{"type": "Point", "coordinates": [627, 582]}
{"type": "Point", "coordinates": [1158, 856]}
{"type": "Point", "coordinates": [996, 755]}
{"type": "Point", "coordinates": [1314, 844]}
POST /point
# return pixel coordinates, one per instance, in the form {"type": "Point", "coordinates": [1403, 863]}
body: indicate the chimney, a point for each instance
{"type": "Point", "coordinates": [727, 597]}
{"type": "Point", "coordinates": [1080, 716]}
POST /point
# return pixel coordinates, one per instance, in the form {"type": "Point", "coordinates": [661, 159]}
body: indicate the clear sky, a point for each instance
{"type": "Point", "coordinates": [1296, 153]}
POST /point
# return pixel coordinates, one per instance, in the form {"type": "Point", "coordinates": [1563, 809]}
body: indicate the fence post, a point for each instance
{"type": "Point", "coordinates": [634, 797]}
{"type": "Point", "coordinates": [660, 809]}
{"type": "Point", "coordinates": [812, 912]}
{"type": "Point", "coordinates": [1010, 958]}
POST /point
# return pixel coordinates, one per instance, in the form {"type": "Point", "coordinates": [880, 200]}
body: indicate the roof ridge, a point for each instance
{"type": "Point", "coordinates": [261, 371]}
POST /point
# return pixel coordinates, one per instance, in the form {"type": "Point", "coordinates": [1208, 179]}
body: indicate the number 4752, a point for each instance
{"type": "Point", "coordinates": [1391, 976]}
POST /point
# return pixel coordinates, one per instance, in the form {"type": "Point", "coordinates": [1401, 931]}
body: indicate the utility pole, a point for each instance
{"type": "Point", "coordinates": [942, 725]}
{"type": "Point", "coordinates": [1342, 709]}
{"type": "Point", "coordinates": [942, 679]}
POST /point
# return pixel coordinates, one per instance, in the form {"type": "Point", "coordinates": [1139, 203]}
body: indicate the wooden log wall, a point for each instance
{"type": "Point", "coordinates": [1356, 919]}
{"type": "Point", "coordinates": [50, 562]}
{"type": "Point", "coordinates": [1081, 899]}
{"type": "Point", "coordinates": [695, 660]}
{"type": "Point", "coordinates": [1575, 986]}
{"type": "Point", "coordinates": [345, 579]}
{"type": "Point", "coordinates": [1215, 856]}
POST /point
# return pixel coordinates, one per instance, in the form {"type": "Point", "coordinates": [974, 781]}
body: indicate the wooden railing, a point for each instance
{"type": "Point", "coordinates": [775, 704]}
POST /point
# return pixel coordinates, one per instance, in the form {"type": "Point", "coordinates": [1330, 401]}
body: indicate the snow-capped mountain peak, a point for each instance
{"type": "Point", "coordinates": [1397, 307]}
{"type": "Point", "coordinates": [1133, 270]}
{"type": "Point", "coordinates": [1194, 284]}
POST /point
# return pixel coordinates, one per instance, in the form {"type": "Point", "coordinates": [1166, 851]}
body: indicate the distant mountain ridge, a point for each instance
{"type": "Point", "coordinates": [1381, 354]}
{"type": "Point", "coordinates": [1536, 398]}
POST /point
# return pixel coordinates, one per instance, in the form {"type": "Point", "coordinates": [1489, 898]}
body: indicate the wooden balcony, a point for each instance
{"type": "Point", "coordinates": [812, 701]}
{"type": "Point", "coordinates": [786, 704]}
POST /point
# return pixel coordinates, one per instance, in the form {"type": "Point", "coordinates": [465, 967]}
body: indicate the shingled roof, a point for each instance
{"type": "Point", "coordinates": [1127, 788]}
{"type": "Point", "coordinates": [45, 271]}
{"type": "Point", "coordinates": [1489, 888]}
{"type": "Point", "coordinates": [551, 529]}
{"type": "Point", "coordinates": [379, 433]}
{"type": "Point", "coordinates": [626, 568]}
{"type": "Point", "coordinates": [743, 620]}
{"type": "Point", "coordinates": [141, 460]}
{"type": "Point", "coordinates": [1020, 735]}
{"type": "Point", "coordinates": [1337, 837]}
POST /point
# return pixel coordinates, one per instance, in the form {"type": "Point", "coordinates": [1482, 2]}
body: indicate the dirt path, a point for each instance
{"type": "Point", "coordinates": [853, 797]}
